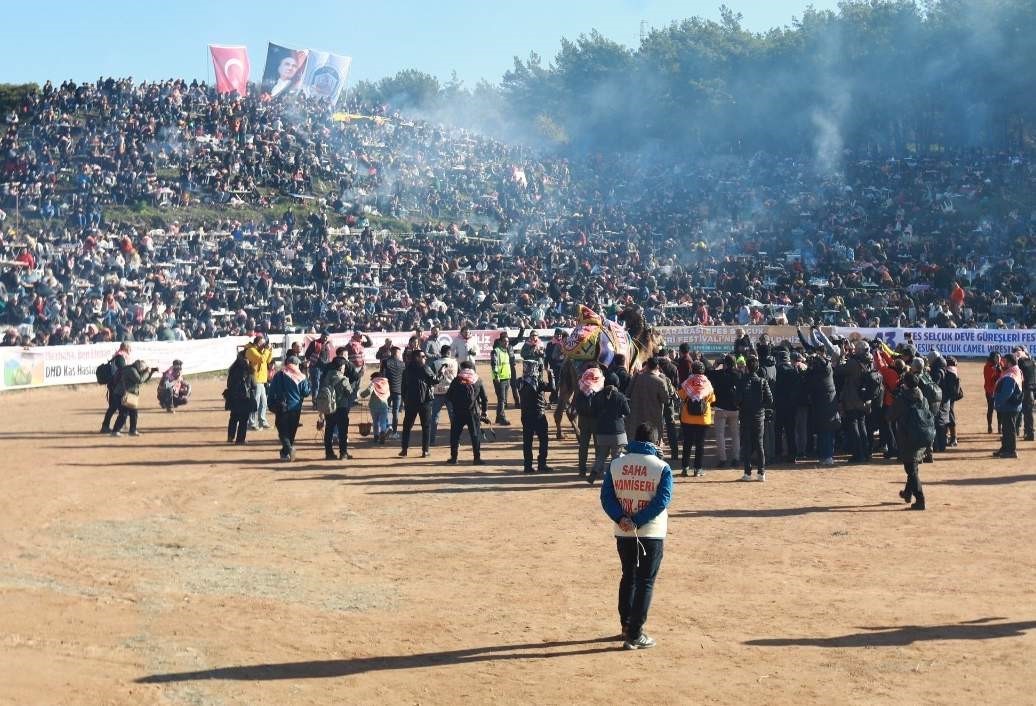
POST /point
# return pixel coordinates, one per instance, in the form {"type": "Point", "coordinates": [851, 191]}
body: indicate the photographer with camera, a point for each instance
{"type": "Point", "coordinates": [127, 391]}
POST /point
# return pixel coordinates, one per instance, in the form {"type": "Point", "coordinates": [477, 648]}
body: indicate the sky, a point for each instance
{"type": "Point", "coordinates": [476, 38]}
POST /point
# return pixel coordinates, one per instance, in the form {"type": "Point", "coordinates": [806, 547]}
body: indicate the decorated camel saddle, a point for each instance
{"type": "Point", "coordinates": [597, 338]}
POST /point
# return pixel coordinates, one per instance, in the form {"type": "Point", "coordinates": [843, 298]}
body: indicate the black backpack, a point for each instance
{"type": "Point", "coordinates": [918, 426]}
{"type": "Point", "coordinates": [695, 408]}
{"type": "Point", "coordinates": [106, 372]}
{"type": "Point", "coordinates": [872, 387]}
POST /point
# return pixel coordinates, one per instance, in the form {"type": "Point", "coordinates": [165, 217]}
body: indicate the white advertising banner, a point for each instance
{"type": "Point", "coordinates": [960, 342]}
{"type": "Point", "coordinates": [68, 365]}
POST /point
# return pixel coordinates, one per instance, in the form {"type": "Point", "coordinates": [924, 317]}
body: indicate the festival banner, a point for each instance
{"type": "Point", "coordinates": [720, 339]}
{"type": "Point", "coordinates": [960, 342]}
{"type": "Point", "coordinates": [284, 70]}
{"type": "Point", "coordinates": [325, 75]}
{"type": "Point", "coordinates": [231, 67]}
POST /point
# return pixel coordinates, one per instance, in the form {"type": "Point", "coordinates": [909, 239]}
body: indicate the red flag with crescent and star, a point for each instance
{"type": "Point", "coordinates": [231, 66]}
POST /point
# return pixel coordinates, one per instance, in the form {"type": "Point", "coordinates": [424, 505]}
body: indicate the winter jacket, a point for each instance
{"type": "Point", "coordinates": [418, 382]}
{"type": "Point", "coordinates": [131, 378]}
{"type": "Point", "coordinates": [905, 399]}
{"type": "Point", "coordinates": [787, 389]}
{"type": "Point", "coordinates": [990, 374]}
{"type": "Point", "coordinates": [289, 387]}
{"type": "Point", "coordinates": [259, 361]}
{"type": "Point", "coordinates": [239, 384]}
{"type": "Point", "coordinates": [393, 369]}
{"type": "Point", "coordinates": [851, 374]}
{"type": "Point", "coordinates": [700, 388]}
{"type": "Point", "coordinates": [1028, 368]}
{"type": "Point", "coordinates": [725, 383]}
{"type": "Point", "coordinates": [755, 397]}
{"type": "Point", "coordinates": [1008, 394]}
{"type": "Point", "coordinates": [648, 398]}
{"type": "Point", "coordinates": [469, 400]}
{"type": "Point", "coordinates": [610, 407]}
{"type": "Point", "coordinates": [342, 386]}
{"type": "Point", "coordinates": [820, 385]}
{"type": "Point", "coordinates": [530, 399]}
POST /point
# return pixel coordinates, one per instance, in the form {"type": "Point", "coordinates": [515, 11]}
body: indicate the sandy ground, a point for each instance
{"type": "Point", "coordinates": [174, 569]}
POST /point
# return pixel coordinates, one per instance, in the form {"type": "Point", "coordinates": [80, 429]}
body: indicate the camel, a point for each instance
{"type": "Point", "coordinates": [647, 342]}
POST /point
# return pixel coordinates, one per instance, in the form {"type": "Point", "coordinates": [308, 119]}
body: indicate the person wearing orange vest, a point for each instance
{"type": "Point", "coordinates": [635, 494]}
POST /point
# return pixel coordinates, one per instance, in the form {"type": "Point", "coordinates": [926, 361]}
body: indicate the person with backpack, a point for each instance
{"type": "Point", "coordinates": [610, 408]}
{"type": "Point", "coordinates": [533, 415]}
{"type": "Point", "coordinates": [288, 389]}
{"type": "Point", "coordinates": [127, 391]}
{"type": "Point", "coordinates": [418, 382]}
{"type": "Point", "coordinates": [954, 391]}
{"type": "Point", "coordinates": [1008, 398]}
{"type": "Point", "coordinates": [915, 429]}
{"type": "Point", "coordinates": [946, 386]}
{"type": "Point", "coordinates": [239, 397]}
{"type": "Point", "coordinates": [470, 407]}
{"type": "Point", "coordinates": [755, 401]}
{"type": "Point", "coordinates": [697, 397]}
{"type": "Point", "coordinates": [932, 394]}
{"type": "Point", "coordinates": [333, 400]}
{"type": "Point", "coordinates": [107, 374]}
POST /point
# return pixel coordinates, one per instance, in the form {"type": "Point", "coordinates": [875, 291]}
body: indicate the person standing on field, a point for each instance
{"type": "Point", "coordinates": [636, 493]}
{"type": "Point", "coordinates": [259, 356]}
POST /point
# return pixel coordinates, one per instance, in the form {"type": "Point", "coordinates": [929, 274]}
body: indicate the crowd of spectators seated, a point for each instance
{"type": "Point", "coordinates": [371, 221]}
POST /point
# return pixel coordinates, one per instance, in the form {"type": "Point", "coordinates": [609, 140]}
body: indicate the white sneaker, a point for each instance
{"type": "Point", "coordinates": [761, 478]}
{"type": "Point", "coordinates": [641, 643]}
{"type": "Point", "coordinates": [747, 476]}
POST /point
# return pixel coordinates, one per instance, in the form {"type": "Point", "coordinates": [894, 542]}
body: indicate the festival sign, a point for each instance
{"type": "Point", "coordinates": [960, 342]}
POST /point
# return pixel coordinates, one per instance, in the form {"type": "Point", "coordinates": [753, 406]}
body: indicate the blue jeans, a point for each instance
{"type": "Point", "coordinates": [825, 445]}
{"type": "Point", "coordinates": [638, 582]}
{"type": "Point", "coordinates": [315, 373]}
{"type": "Point", "coordinates": [438, 402]}
{"type": "Point", "coordinates": [395, 402]}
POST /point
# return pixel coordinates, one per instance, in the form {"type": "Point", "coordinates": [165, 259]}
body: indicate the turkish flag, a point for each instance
{"type": "Point", "coordinates": [231, 66]}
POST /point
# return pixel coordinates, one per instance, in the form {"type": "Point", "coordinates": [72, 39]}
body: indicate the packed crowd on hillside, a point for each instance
{"type": "Point", "coordinates": [500, 235]}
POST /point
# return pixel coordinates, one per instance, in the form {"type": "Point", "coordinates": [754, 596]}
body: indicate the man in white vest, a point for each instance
{"type": "Point", "coordinates": [635, 494]}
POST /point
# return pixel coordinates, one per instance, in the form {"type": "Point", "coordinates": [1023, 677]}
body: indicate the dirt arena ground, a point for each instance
{"type": "Point", "coordinates": [174, 569]}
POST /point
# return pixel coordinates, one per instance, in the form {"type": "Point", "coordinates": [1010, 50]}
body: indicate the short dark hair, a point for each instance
{"type": "Point", "coordinates": [1009, 360]}
{"type": "Point", "coordinates": [646, 432]}
{"type": "Point", "coordinates": [650, 364]}
{"type": "Point", "coordinates": [697, 367]}
{"type": "Point", "coordinates": [752, 364]}
{"type": "Point", "coordinates": [467, 365]}
{"type": "Point", "coordinates": [444, 351]}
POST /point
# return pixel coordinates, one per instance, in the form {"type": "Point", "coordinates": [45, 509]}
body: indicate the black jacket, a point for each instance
{"type": "Point", "coordinates": [1028, 368]}
{"type": "Point", "coordinates": [787, 389]}
{"type": "Point", "coordinates": [610, 407]}
{"type": "Point", "coordinates": [469, 401]}
{"type": "Point", "coordinates": [755, 397]}
{"type": "Point", "coordinates": [820, 387]}
{"type": "Point", "coordinates": [725, 383]}
{"type": "Point", "coordinates": [393, 368]}
{"type": "Point", "coordinates": [239, 384]}
{"type": "Point", "coordinates": [417, 385]}
{"type": "Point", "coordinates": [530, 399]}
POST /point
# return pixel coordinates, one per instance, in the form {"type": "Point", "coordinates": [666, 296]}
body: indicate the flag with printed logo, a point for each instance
{"type": "Point", "coordinates": [326, 74]}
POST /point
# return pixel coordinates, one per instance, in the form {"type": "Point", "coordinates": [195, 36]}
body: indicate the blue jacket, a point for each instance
{"type": "Point", "coordinates": [660, 502]}
{"type": "Point", "coordinates": [284, 389]}
{"type": "Point", "coordinates": [1006, 388]}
